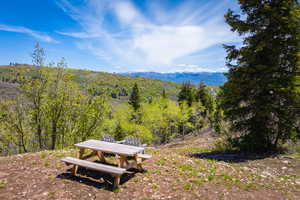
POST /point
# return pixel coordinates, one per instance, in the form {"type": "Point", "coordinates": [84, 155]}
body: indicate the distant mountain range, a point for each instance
{"type": "Point", "coordinates": [209, 78]}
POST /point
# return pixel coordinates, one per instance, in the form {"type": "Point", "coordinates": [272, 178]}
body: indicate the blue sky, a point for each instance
{"type": "Point", "coordinates": [119, 35]}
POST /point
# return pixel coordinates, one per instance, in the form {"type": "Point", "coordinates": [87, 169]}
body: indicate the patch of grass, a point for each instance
{"type": "Point", "coordinates": [198, 182]}
{"type": "Point", "coordinates": [158, 172]}
{"type": "Point", "coordinates": [185, 167]}
{"type": "Point", "coordinates": [116, 190]}
{"type": "Point", "coordinates": [155, 186]}
{"type": "Point", "coordinates": [46, 164]}
{"type": "Point", "coordinates": [51, 193]}
{"type": "Point", "coordinates": [289, 177]}
{"type": "Point", "coordinates": [227, 177]}
{"type": "Point", "coordinates": [34, 163]}
{"type": "Point", "coordinates": [250, 186]}
{"type": "Point", "coordinates": [161, 162]}
{"type": "Point", "coordinates": [136, 180]}
{"type": "Point", "coordinates": [59, 155]}
{"type": "Point", "coordinates": [152, 151]}
{"type": "Point", "coordinates": [188, 186]}
{"type": "Point", "coordinates": [2, 185]}
{"type": "Point", "coordinates": [213, 170]}
{"type": "Point", "coordinates": [192, 149]}
{"type": "Point", "coordinates": [44, 155]}
{"type": "Point", "coordinates": [192, 173]}
{"type": "Point", "coordinates": [211, 177]}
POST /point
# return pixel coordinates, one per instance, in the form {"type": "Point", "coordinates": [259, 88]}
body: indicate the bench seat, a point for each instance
{"type": "Point", "coordinates": [144, 156]}
{"type": "Point", "coordinates": [114, 171]}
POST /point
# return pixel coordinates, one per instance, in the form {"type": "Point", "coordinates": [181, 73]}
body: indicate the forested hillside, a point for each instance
{"type": "Point", "coordinates": [115, 85]}
{"type": "Point", "coordinates": [53, 107]}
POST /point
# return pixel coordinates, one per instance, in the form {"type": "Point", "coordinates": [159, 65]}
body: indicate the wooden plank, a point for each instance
{"type": "Point", "coordinates": [144, 156]}
{"type": "Point", "coordinates": [94, 153]}
{"type": "Point", "coordinates": [109, 147]}
{"type": "Point", "coordinates": [94, 166]}
{"type": "Point", "coordinates": [100, 156]}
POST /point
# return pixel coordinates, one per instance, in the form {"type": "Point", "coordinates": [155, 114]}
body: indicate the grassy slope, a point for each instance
{"type": "Point", "coordinates": [172, 173]}
{"type": "Point", "coordinates": [114, 83]}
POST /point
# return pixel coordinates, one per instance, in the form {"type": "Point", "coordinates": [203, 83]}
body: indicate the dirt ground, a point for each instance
{"type": "Point", "coordinates": [185, 169]}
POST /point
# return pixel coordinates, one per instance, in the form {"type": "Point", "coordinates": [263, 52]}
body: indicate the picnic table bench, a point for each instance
{"type": "Point", "coordinates": [122, 154]}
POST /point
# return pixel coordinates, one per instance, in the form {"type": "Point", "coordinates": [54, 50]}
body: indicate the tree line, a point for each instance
{"type": "Point", "coordinates": [53, 111]}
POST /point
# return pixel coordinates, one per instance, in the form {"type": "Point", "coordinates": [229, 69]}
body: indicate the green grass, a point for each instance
{"type": "Point", "coordinates": [161, 162]}
{"type": "Point", "coordinates": [51, 193]}
{"type": "Point", "coordinates": [44, 155]}
{"type": "Point", "coordinates": [46, 164]}
{"type": "Point", "coordinates": [188, 186]}
{"type": "Point", "coordinates": [198, 182]}
{"type": "Point", "coordinates": [116, 190]}
{"type": "Point", "coordinates": [2, 185]}
{"type": "Point", "coordinates": [185, 167]}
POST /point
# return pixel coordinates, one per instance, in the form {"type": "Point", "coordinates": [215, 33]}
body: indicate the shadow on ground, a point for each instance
{"type": "Point", "coordinates": [233, 157]}
{"type": "Point", "coordinates": [97, 179]}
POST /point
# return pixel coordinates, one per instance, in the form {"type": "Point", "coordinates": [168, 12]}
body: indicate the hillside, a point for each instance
{"type": "Point", "coordinates": [185, 169]}
{"type": "Point", "coordinates": [118, 86]}
{"type": "Point", "coordinates": [209, 78]}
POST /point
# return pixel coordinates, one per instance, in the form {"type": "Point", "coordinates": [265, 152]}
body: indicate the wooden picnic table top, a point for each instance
{"type": "Point", "coordinates": [110, 147]}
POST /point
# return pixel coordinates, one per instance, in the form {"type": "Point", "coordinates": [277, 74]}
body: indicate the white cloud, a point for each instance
{"type": "Point", "coordinates": [164, 44]}
{"type": "Point", "coordinates": [125, 12]}
{"type": "Point", "coordinates": [196, 68]}
{"type": "Point", "coordinates": [159, 38]}
{"type": "Point", "coordinates": [35, 34]}
{"type": "Point", "coordinates": [81, 35]}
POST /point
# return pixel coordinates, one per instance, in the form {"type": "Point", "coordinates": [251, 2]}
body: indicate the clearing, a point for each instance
{"type": "Point", "coordinates": [184, 169]}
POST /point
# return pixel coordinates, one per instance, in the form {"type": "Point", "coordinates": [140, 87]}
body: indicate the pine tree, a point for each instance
{"type": "Point", "coordinates": [186, 94]}
{"type": "Point", "coordinates": [135, 99]}
{"type": "Point", "coordinates": [261, 97]}
{"type": "Point", "coordinates": [203, 96]}
{"type": "Point", "coordinates": [164, 95]}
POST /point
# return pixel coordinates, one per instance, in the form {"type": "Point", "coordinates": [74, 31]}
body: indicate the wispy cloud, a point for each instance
{"type": "Point", "coordinates": [18, 29]}
{"type": "Point", "coordinates": [119, 33]}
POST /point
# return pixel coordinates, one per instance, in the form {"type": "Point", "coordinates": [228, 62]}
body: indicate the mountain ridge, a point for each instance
{"type": "Point", "coordinates": [209, 78]}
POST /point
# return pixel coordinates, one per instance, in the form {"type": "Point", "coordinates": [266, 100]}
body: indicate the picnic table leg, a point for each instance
{"type": "Point", "coordinates": [138, 161]}
{"type": "Point", "coordinates": [80, 155]}
{"type": "Point", "coordinates": [122, 161]}
{"type": "Point", "coordinates": [117, 181]}
{"type": "Point", "coordinates": [101, 156]}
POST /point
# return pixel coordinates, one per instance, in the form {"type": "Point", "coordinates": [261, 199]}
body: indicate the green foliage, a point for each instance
{"type": "Point", "coordinates": [56, 107]}
{"type": "Point", "coordinates": [203, 96]}
{"type": "Point", "coordinates": [186, 94]}
{"type": "Point", "coordinates": [261, 97]}
{"type": "Point", "coordinates": [38, 55]}
{"type": "Point", "coordinates": [164, 95]}
{"type": "Point", "coordinates": [135, 99]}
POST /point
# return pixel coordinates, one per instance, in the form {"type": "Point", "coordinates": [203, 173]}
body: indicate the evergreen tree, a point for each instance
{"type": "Point", "coordinates": [135, 99]}
{"type": "Point", "coordinates": [203, 96]}
{"type": "Point", "coordinates": [186, 94]}
{"type": "Point", "coordinates": [261, 96]}
{"type": "Point", "coordinates": [164, 95]}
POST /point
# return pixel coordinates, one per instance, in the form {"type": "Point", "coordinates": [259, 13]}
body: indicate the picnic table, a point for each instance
{"type": "Point", "coordinates": [127, 157]}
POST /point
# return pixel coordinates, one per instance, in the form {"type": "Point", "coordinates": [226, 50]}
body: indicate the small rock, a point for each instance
{"type": "Point", "coordinates": [284, 168]}
{"type": "Point", "coordinates": [286, 162]}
